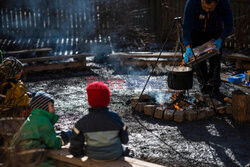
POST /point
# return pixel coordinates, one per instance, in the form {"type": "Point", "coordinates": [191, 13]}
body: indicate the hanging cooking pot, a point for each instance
{"type": "Point", "coordinates": [180, 78]}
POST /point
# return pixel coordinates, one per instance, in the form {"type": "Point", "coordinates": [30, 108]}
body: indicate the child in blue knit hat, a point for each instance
{"type": "Point", "coordinates": [38, 130]}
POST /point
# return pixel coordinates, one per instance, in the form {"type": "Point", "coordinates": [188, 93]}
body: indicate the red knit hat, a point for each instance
{"type": "Point", "coordinates": [98, 94]}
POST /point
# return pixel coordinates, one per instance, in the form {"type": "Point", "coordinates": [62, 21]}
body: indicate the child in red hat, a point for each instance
{"type": "Point", "coordinates": [101, 133]}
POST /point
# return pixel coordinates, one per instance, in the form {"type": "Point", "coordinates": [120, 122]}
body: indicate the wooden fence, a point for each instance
{"type": "Point", "coordinates": [72, 26]}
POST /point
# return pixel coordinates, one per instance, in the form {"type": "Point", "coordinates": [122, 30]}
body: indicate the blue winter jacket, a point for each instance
{"type": "Point", "coordinates": [99, 135]}
{"type": "Point", "coordinates": [195, 18]}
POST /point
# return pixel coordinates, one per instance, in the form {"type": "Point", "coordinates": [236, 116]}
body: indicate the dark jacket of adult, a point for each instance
{"type": "Point", "coordinates": [99, 135]}
{"type": "Point", "coordinates": [196, 19]}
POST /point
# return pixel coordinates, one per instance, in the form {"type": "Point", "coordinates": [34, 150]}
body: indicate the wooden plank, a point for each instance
{"type": "Point", "coordinates": [242, 64]}
{"type": "Point", "coordinates": [43, 59]}
{"type": "Point", "coordinates": [149, 62]}
{"type": "Point", "coordinates": [146, 55]}
{"type": "Point", "coordinates": [63, 156]}
{"type": "Point", "coordinates": [27, 51]}
{"type": "Point", "coordinates": [224, 78]}
{"type": "Point", "coordinates": [237, 56]}
{"type": "Point", "coordinates": [54, 66]}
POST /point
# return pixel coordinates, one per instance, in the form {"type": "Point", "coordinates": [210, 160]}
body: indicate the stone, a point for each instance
{"type": "Point", "coordinates": [190, 114]}
{"type": "Point", "coordinates": [179, 116]}
{"type": "Point", "coordinates": [168, 114]}
{"type": "Point", "coordinates": [133, 101]}
{"type": "Point", "coordinates": [149, 110]}
{"type": "Point", "coordinates": [140, 106]}
{"type": "Point", "coordinates": [159, 112]}
{"type": "Point", "coordinates": [201, 113]}
{"type": "Point", "coordinates": [145, 97]}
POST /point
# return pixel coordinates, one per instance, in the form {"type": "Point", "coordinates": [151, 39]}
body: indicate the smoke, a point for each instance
{"type": "Point", "coordinates": [162, 97]}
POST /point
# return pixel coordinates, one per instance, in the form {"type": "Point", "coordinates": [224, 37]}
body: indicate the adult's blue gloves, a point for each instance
{"type": "Point", "coordinates": [188, 54]}
{"type": "Point", "coordinates": [218, 43]}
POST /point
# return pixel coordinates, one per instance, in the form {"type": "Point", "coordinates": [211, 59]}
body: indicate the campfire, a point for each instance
{"type": "Point", "coordinates": [177, 101]}
{"type": "Point", "coordinates": [178, 107]}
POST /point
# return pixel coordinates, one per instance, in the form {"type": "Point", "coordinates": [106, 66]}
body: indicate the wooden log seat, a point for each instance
{"type": "Point", "coordinates": [62, 158]}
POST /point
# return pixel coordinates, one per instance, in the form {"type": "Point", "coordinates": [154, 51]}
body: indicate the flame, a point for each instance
{"type": "Point", "coordinates": [176, 106]}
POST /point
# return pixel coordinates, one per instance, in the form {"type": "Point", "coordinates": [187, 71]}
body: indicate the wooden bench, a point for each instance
{"type": "Point", "coordinates": [39, 52]}
{"type": "Point", "coordinates": [224, 78]}
{"type": "Point", "coordinates": [242, 61]}
{"type": "Point", "coordinates": [62, 158]}
{"type": "Point", "coordinates": [147, 58]}
{"type": "Point", "coordinates": [54, 63]}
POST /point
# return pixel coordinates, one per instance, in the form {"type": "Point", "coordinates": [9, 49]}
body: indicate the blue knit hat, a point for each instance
{"type": "Point", "coordinates": [41, 100]}
{"type": "Point", "coordinates": [12, 66]}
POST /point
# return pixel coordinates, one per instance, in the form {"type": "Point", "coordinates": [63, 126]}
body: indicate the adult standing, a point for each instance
{"type": "Point", "coordinates": [205, 20]}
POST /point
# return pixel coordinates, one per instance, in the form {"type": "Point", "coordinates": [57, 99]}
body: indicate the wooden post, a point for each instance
{"type": "Point", "coordinates": [241, 106]}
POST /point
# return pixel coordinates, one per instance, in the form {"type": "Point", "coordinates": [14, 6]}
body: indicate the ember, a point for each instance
{"type": "Point", "coordinates": [176, 106]}
{"type": "Point", "coordinates": [177, 101]}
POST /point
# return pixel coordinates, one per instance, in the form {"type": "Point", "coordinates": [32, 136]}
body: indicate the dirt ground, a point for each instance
{"type": "Point", "coordinates": [217, 141]}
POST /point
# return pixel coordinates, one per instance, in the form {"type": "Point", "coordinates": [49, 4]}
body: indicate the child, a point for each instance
{"type": "Point", "coordinates": [12, 90]}
{"type": "Point", "coordinates": [38, 130]}
{"type": "Point", "coordinates": [99, 134]}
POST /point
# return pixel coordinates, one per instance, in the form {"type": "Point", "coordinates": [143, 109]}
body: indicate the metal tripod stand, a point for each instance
{"type": "Point", "coordinates": [179, 42]}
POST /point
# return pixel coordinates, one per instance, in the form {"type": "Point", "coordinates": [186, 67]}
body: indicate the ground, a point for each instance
{"type": "Point", "coordinates": [217, 141]}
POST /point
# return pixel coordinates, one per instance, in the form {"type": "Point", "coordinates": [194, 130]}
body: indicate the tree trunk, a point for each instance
{"type": "Point", "coordinates": [241, 106]}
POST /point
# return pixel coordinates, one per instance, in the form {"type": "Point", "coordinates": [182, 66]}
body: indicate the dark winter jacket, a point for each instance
{"type": "Point", "coordinates": [37, 132]}
{"type": "Point", "coordinates": [195, 18]}
{"type": "Point", "coordinates": [99, 135]}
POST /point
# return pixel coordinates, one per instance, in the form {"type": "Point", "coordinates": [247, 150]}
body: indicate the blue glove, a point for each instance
{"type": "Point", "coordinates": [218, 43]}
{"type": "Point", "coordinates": [188, 54]}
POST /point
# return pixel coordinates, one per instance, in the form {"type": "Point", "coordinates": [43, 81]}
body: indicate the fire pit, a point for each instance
{"type": "Point", "coordinates": [179, 107]}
